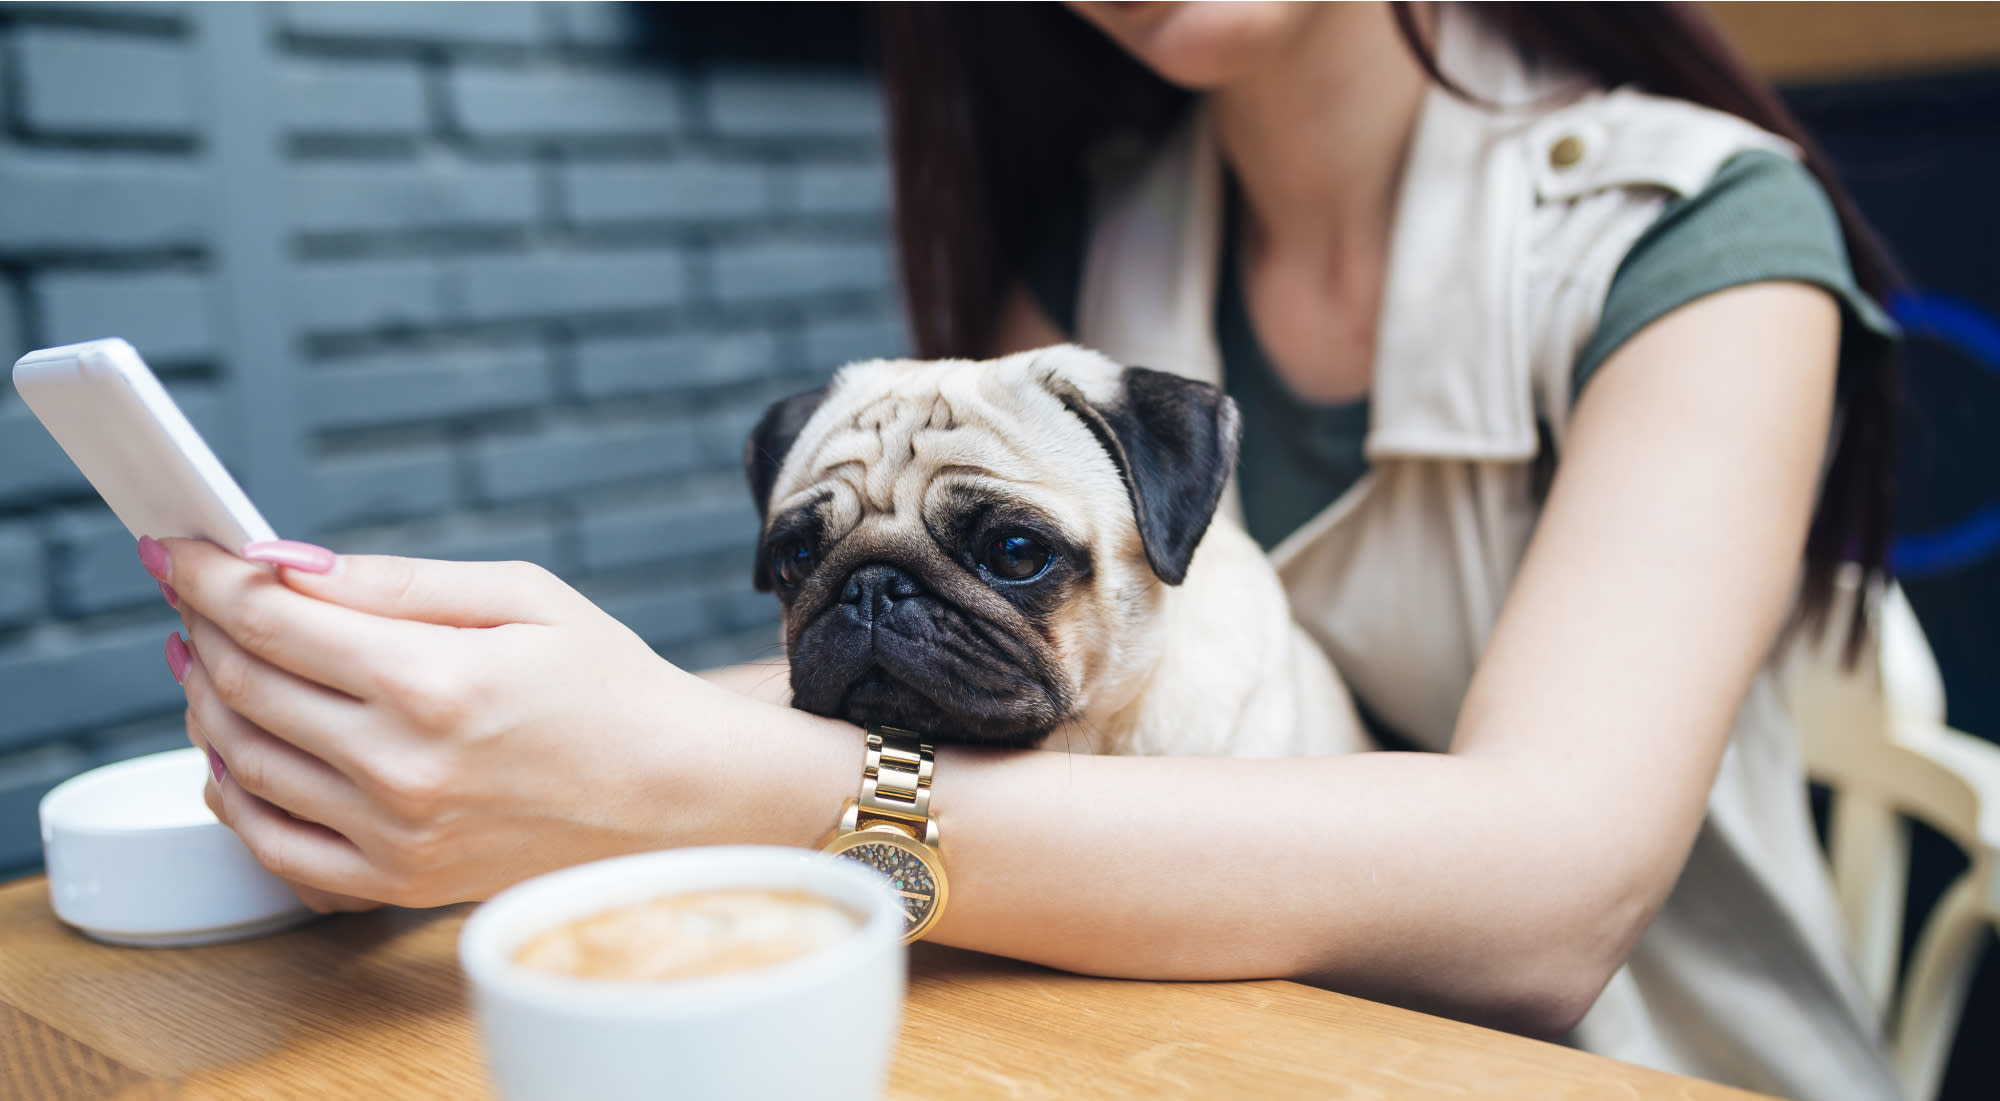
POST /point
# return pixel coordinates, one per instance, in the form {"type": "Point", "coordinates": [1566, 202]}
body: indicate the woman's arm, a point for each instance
{"type": "Point", "coordinates": [1502, 882]}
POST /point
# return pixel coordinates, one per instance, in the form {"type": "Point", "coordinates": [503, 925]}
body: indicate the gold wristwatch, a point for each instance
{"type": "Point", "coordinates": [890, 827]}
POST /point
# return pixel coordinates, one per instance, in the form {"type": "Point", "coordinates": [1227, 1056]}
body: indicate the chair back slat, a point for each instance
{"type": "Point", "coordinates": [1934, 990]}
{"type": "Point", "coordinates": [1875, 736]}
{"type": "Point", "coordinates": [1870, 857]}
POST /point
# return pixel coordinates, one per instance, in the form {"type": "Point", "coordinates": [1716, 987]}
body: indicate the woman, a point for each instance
{"type": "Point", "coordinates": [1609, 837]}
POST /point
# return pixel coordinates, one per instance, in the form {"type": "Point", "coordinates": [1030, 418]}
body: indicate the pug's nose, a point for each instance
{"type": "Point", "coordinates": [873, 589]}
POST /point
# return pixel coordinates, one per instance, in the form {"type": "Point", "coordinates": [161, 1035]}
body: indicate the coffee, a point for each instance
{"type": "Point", "coordinates": [691, 935]}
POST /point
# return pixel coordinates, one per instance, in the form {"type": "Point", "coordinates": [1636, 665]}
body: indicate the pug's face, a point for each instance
{"type": "Point", "coordinates": [974, 550]}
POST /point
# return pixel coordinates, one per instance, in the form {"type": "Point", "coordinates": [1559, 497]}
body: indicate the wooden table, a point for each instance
{"type": "Point", "coordinates": [373, 1006]}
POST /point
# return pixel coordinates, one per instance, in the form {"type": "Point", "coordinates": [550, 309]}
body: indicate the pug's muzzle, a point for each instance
{"type": "Point", "coordinates": [882, 647]}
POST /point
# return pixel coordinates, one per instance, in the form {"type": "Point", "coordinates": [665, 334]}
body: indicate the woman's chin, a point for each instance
{"type": "Point", "coordinates": [1200, 46]}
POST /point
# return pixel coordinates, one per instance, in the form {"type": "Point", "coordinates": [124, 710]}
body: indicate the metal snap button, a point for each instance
{"type": "Point", "coordinates": [1566, 152]}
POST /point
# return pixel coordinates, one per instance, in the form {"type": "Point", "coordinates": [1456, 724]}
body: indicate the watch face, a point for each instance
{"type": "Point", "coordinates": [896, 858]}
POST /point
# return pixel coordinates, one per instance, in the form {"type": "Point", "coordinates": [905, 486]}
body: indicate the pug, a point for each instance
{"type": "Point", "coordinates": [1023, 552]}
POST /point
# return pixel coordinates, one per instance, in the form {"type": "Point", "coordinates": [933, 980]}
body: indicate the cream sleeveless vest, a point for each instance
{"type": "Point", "coordinates": [1503, 251]}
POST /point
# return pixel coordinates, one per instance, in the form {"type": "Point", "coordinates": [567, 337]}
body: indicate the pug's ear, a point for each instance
{"type": "Point", "coordinates": [1175, 441]}
{"type": "Point", "coordinates": [764, 452]}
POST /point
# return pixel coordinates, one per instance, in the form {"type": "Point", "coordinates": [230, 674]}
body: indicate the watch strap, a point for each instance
{"type": "Point", "coordinates": [896, 784]}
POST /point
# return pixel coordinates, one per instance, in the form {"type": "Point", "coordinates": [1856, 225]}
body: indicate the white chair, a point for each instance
{"type": "Point", "coordinates": [1875, 736]}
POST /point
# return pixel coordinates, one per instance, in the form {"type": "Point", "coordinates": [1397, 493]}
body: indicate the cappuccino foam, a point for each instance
{"type": "Point", "coordinates": [691, 935]}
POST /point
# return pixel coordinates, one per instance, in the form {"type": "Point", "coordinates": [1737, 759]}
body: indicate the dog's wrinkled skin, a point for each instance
{"type": "Point", "coordinates": [1018, 552]}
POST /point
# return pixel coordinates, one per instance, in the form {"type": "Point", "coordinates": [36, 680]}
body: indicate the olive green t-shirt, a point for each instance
{"type": "Point", "coordinates": [1763, 217]}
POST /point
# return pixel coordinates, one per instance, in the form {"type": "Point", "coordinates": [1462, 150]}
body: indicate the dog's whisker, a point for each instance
{"type": "Point", "coordinates": [1073, 726]}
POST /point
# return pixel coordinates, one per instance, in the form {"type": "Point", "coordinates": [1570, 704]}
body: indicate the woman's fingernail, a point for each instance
{"type": "Point", "coordinates": [177, 657]}
{"type": "Point", "coordinates": [215, 766]}
{"type": "Point", "coordinates": [153, 556]}
{"type": "Point", "coordinates": [292, 553]}
{"type": "Point", "coordinates": [173, 598]}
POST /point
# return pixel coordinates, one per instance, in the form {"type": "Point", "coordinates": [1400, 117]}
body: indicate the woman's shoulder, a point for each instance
{"type": "Point", "coordinates": [1762, 217]}
{"type": "Point", "coordinates": [1606, 140]}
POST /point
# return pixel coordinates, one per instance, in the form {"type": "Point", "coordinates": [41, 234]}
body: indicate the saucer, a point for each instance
{"type": "Point", "coordinates": [135, 857]}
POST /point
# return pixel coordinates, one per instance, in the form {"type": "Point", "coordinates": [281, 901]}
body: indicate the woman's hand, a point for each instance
{"type": "Point", "coordinates": [427, 732]}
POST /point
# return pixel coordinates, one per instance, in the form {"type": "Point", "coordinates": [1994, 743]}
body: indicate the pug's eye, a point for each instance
{"type": "Point", "coordinates": [791, 561]}
{"type": "Point", "coordinates": [1015, 557]}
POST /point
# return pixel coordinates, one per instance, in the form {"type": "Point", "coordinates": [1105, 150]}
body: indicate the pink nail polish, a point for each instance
{"type": "Point", "coordinates": [215, 766]}
{"type": "Point", "coordinates": [153, 556]}
{"type": "Point", "coordinates": [173, 598]}
{"type": "Point", "coordinates": [177, 657]}
{"type": "Point", "coordinates": [291, 553]}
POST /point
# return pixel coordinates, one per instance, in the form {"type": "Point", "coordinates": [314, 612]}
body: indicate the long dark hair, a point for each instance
{"type": "Point", "coordinates": [995, 109]}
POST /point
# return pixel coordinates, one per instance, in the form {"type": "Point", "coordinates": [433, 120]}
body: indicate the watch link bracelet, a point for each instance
{"type": "Point", "coordinates": [890, 828]}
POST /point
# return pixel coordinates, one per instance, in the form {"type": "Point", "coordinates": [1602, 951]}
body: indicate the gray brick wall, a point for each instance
{"type": "Point", "coordinates": [87, 82]}
{"type": "Point", "coordinates": [455, 280]}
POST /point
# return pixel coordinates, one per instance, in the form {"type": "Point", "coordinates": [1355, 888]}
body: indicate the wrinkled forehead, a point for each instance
{"type": "Point", "coordinates": [889, 429]}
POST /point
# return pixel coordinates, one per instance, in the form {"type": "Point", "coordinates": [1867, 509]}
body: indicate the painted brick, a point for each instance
{"type": "Point", "coordinates": [166, 315]}
{"type": "Point", "coordinates": [479, 23]}
{"type": "Point", "coordinates": [675, 191]}
{"type": "Point", "coordinates": [609, 368]}
{"type": "Point", "coordinates": [831, 342]}
{"type": "Point", "coordinates": [758, 645]}
{"type": "Point", "coordinates": [653, 533]}
{"type": "Point", "coordinates": [664, 617]}
{"type": "Point", "coordinates": [79, 684]}
{"type": "Point", "coordinates": [21, 578]}
{"type": "Point", "coordinates": [24, 779]}
{"type": "Point", "coordinates": [723, 434]}
{"type": "Point", "coordinates": [352, 97]}
{"type": "Point", "coordinates": [759, 641]}
{"type": "Point", "coordinates": [162, 10]}
{"type": "Point", "coordinates": [700, 626]}
{"type": "Point", "coordinates": [744, 609]}
{"type": "Point", "coordinates": [13, 342]}
{"type": "Point", "coordinates": [564, 103]}
{"type": "Point", "coordinates": [592, 23]}
{"type": "Point", "coordinates": [373, 488]}
{"type": "Point", "coordinates": [843, 188]}
{"type": "Point", "coordinates": [450, 383]}
{"type": "Point", "coordinates": [482, 541]}
{"type": "Point", "coordinates": [212, 415]}
{"type": "Point", "coordinates": [31, 465]}
{"type": "Point", "coordinates": [784, 269]}
{"type": "Point", "coordinates": [61, 75]}
{"type": "Point", "coordinates": [575, 458]}
{"type": "Point", "coordinates": [61, 200]}
{"type": "Point", "coordinates": [781, 104]}
{"type": "Point", "coordinates": [122, 743]}
{"type": "Point", "coordinates": [329, 198]}
{"type": "Point", "coordinates": [98, 563]}
{"type": "Point", "coordinates": [369, 294]}
{"type": "Point", "coordinates": [510, 287]}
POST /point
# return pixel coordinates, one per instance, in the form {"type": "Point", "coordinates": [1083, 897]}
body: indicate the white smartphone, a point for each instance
{"type": "Point", "coordinates": [108, 411]}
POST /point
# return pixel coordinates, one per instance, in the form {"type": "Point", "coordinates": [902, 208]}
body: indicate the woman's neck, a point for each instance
{"type": "Point", "coordinates": [1317, 138]}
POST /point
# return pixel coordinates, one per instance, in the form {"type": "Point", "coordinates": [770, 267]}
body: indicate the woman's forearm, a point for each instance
{"type": "Point", "coordinates": [1425, 879]}
{"type": "Point", "coordinates": [1420, 878]}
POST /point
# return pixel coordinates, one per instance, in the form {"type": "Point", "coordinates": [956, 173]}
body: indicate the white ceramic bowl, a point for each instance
{"type": "Point", "coordinates": [135, 857]}
{"type": "Point", "coordinates": [819, 1028]}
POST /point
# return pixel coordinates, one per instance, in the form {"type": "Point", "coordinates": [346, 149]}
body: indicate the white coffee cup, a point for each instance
{"type": "Point", "coordinates": [820, 1026]}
